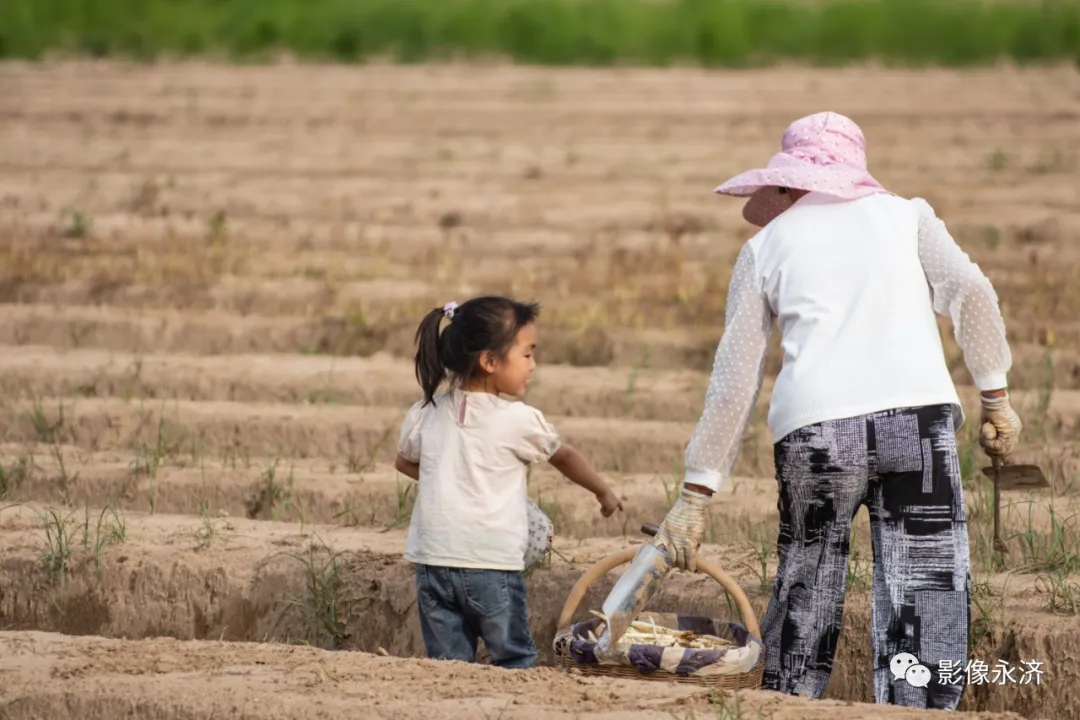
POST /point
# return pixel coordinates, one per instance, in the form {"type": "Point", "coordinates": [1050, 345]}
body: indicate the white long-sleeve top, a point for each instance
{"type": "Point", "coordinates": [853, 286]}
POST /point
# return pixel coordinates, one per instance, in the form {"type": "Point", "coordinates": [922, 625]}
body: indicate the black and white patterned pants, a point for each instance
{"type": "Point", "coordinates": [903, 465]}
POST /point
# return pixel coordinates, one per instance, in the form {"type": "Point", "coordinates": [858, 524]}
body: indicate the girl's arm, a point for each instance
{"type": "Point", "coordinates": [571, 463]}
{"type": "Point", "coordinates": [407, 467]}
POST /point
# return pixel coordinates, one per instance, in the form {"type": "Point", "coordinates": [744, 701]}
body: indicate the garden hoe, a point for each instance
{"type": "Point", "coordinates": [1011, 477]}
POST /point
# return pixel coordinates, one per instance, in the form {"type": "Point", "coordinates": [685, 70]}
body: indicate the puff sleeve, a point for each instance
{"type": "Point", "coordinates": [409, 439]}
{"type": "Point", "coordinates": [534, 438]}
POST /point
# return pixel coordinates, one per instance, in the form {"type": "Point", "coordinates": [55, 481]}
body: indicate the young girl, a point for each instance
{"type": "Point", "coordinates": [469, 449]}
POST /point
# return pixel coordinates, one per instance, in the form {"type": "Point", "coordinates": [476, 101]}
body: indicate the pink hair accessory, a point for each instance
{"type": "Point", "coordinates": [448, 309]}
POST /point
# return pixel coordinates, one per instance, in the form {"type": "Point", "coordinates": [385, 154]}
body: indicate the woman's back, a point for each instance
{"type": "Point", "coordinates": [853, 304]}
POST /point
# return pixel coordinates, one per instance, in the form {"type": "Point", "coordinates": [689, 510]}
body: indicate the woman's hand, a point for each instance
{"type": "Point", "coordinates": [680, 532]}
{"type": "Point", "coordinates": [1001, 425]}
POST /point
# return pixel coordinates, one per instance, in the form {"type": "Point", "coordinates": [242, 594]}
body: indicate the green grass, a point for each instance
{"type": "Point", "coordinates": [594, 32]}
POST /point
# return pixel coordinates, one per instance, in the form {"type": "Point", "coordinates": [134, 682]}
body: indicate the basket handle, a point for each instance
{"type": "Point", "coordinates": [704, 565]}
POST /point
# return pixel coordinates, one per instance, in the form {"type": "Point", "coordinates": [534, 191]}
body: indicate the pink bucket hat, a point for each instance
{"type": "Point", "coordinates": [824, 152]}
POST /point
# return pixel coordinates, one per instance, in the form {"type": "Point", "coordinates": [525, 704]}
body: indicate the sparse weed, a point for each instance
{"type": "Point", "coordinates": [725, 705]}
{"type": "Point", "coordinates": [149, 458]}
{"type": "Point", "coordinates": [997, 161]}
{"type": "Point", "coordinates": [380, 442]}
{"type": "Point", "coordinates": [729, 707]}
{"type": "Point", "coordinates": [628, 397]}
{"type": "Point", "coordinates": [47, 431]}
{"type": "Point", "coordinates": [354, 462]}
{"type": "Point", "coordinates": [59, 539]}
{"type": "Point", "coordinates": [1062, 592]}
{"type": "Point", "coordinates": [351, 516]}
{"type": "Point", "coordinates": [51, 432]}
{"type": "Point", "coordinates": [77, 224]}
{"type": "Point", "coordinates": [987, 605]}
{"type": "Point", "coordinates": [319, 604]}
{"type": "Point", "coordinates": [204, 536]}
{"type": "Point", "coordinates": [109, 531]}
{"type": "Point", "coordinates": [405, 499]}
{"type": "Point", "coordinates": [1056, 549]}
{"type": "Point", "coordinates": [65, 482]}
{"type": "Point", "coordinates": [14, 475]}
{"type": "Point", "coordinates": [761, 552]}
{"type": "Point", "coordinates": [671, 490]}
{"type": "Point", "coordinates": [357, 462]}
{"type": "Point", "coordinates": [272, 495]}
{"type": "Point", "coordinates": [1054, 160]}
{"type": "Point", "coordinates": [321, 397]}
{"type": "Point", "coordinates": [217, 229]}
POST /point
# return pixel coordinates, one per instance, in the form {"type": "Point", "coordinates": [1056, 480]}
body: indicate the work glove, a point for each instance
{"type": "Point", "coordinates": [680, 532]}
{"type": "Point", "coordinates": [1000, 427]}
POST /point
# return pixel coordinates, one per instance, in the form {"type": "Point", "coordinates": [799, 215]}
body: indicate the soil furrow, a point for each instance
{"type": "Point", "coordinates": [219, 333]}
{"type": "Point", "coordinates": [28, 371]}
{"type": "Point", "coordinates": [238, 587]}
{"type": "Point", "coordinates": [164, 429]}
{"type": "Point", "coordinates": [166, 679]}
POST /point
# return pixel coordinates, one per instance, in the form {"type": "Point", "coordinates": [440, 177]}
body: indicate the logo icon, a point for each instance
{"type": "Point", "coordinates": [907, 667]}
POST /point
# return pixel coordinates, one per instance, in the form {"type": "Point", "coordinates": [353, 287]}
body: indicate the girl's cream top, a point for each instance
{"type": "Point", "coordinates": [473, 450]}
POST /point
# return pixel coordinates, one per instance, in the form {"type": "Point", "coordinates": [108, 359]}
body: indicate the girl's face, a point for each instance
{"type": "Point", "coordinates": [512, 374]}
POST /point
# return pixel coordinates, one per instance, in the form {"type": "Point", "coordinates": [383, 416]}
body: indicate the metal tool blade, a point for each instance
{"type": "Point", "coordinates": [633, 590]}
{"type": "Point", "coordinates": [1018, 477]}
{"type": "Point", "coordinates": [1011, 477]}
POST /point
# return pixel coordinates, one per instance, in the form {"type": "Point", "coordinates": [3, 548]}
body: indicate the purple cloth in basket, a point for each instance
{"type": "Point", "coordinates": [648, 658]}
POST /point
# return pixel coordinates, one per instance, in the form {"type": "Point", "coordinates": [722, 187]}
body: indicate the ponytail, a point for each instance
{"type": "Point", "coordinates": [484, 324]}
{"type": "Point", "coordinates": [430, 370]}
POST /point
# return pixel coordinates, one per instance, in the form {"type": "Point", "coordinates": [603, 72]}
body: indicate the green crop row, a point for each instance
{"type": "Point", "coordinates": [582, 32]}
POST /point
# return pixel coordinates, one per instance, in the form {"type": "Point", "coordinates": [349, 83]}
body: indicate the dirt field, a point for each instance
{"type": "Point", "coordinates": [211, 278]}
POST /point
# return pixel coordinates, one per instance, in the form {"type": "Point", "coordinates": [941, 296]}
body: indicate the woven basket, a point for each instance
{"type": "Point", "coordinates": [735, 681]}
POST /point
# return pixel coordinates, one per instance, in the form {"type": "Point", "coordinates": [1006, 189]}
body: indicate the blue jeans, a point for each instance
{"type": "Point", "coordinates": [459, 605]}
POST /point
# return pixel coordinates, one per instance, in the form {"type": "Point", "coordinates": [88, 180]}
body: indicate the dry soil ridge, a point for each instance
{"type": "Point", "coordinates": [162, 582]}
{"type": "Point", "coordinates": [588, 188]}
{"type": "Point", "coordinates": [100, 679]}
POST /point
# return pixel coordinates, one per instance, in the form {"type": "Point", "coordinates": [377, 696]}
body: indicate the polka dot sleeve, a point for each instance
{"type": "Point", "coordinates": [964, 294]}
{"type": "Point", "coordinates": [736, 378]}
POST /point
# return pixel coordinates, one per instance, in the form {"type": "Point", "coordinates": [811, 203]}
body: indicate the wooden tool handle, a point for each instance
{"type": "Point", "coordinates": [704, 565]}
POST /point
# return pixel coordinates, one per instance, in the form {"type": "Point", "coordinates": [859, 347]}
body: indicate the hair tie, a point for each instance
{"type": "Point", "coordinates": [448, 309]}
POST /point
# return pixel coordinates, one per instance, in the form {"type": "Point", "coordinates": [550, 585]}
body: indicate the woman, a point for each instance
{"type": "Point", "coordinates": [863, 411]}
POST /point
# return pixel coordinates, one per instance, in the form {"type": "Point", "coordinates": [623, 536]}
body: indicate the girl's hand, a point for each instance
{"type": "Point", "coordinates": [609, 502]}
